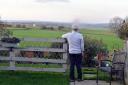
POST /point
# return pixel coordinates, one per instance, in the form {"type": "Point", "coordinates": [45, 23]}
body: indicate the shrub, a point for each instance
{"type": "Point", "coordinates": [92, 48]}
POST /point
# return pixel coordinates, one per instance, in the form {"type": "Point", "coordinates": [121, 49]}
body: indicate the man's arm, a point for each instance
{"type": "Point", "coordinates": [82, 45]}
{"type": "Point", "coordinates": [64, 36]}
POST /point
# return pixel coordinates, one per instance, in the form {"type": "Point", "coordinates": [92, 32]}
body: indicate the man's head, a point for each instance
{"type": "Point", "coordinates": [75, 28]}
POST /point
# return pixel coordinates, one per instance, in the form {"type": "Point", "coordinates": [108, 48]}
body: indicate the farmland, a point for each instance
{"type": "Point", "coordinates": [109, 38]}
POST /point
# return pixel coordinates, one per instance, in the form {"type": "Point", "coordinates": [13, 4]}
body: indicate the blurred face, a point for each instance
{"type": "Point", "coordinates": [76, 29]}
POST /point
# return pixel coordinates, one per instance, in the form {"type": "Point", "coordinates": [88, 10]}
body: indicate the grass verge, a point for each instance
{"type": "Point", "coordinates": [32, 78]}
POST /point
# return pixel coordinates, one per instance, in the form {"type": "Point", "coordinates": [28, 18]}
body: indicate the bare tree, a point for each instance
{"type": "Point", "coordinates": [120, 26]}
{"type": "Point", "coordinates": [115, 23]}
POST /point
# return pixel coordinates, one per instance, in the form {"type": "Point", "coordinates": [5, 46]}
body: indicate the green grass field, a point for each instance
{"type": "Point", "coordinates": [36, 33]}
{"type": "Point", "coordinates": [109, 38]}
{"type": "Point", "coordinates": [32, 78]}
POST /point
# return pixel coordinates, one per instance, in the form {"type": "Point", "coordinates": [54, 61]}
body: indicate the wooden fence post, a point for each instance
{"type": "Point", "coordinates": [65, 55]}
{"type": "Point", "coordinates": [12, 56]}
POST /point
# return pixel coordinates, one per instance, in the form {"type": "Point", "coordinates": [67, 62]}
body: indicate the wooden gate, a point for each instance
{"type": "Point", "coordinates": [13, 58]}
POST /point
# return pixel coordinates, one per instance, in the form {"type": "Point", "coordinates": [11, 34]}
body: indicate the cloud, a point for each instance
{"type": "Point", "coordinates": [52, 0]}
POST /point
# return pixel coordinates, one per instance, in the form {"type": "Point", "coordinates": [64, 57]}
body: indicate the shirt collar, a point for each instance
{"type": "Point", "coordinates": [74, 31]}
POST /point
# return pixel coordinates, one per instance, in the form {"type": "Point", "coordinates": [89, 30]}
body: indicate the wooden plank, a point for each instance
{"type": "Point", "coordinates": [44, 40]}
{"type": "Point", "coordinates": [32, 69]}
{"type": "Point", "coordinates": [3, 58]}
{"type": "Point", "coordinates": [42, 49]}
{"type": "Point", "coordinates": [38, 60]}
{"type": "Point", "coordinates": [2, 48]}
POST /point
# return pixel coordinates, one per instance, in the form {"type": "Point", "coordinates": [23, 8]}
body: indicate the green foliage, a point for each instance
{"type": "Point", "coordinates": [92, 48]}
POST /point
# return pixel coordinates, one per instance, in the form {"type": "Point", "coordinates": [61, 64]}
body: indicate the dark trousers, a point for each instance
{"type": "Point", "coordinates": [75, 60]}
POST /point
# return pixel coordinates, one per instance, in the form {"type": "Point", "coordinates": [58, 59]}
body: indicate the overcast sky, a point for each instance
{"type": "Point", "coordinates": [89, 11]}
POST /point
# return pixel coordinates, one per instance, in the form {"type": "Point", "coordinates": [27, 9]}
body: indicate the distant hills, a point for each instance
{"type": "Point", "coordinates": [95, 26]}
{"type": "Point", "coordinates": [43, 23]}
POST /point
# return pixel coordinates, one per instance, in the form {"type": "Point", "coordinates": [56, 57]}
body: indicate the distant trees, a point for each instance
{"type": "Point", "coordinates": [43, 27]}
{"type": "Point", "coordinates": [60, 28]}
{"type": "Point", "coordinates": [21, 26]}
{"type": "Point", "coordinates": [120, 26]}
{"type": "Point", "coordinates": [47, 27]}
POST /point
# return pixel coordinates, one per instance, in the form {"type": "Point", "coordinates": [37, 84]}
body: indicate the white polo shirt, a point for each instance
{"type": "Point", "coordinates": [75, 41]}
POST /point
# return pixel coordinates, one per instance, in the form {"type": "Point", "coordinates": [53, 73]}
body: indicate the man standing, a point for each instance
{"type": "Point", "coordinates": [76, 48]}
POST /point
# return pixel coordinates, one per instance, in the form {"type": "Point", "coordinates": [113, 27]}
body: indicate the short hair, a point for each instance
{"type": "Point", "coordinates": [75, 27]}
